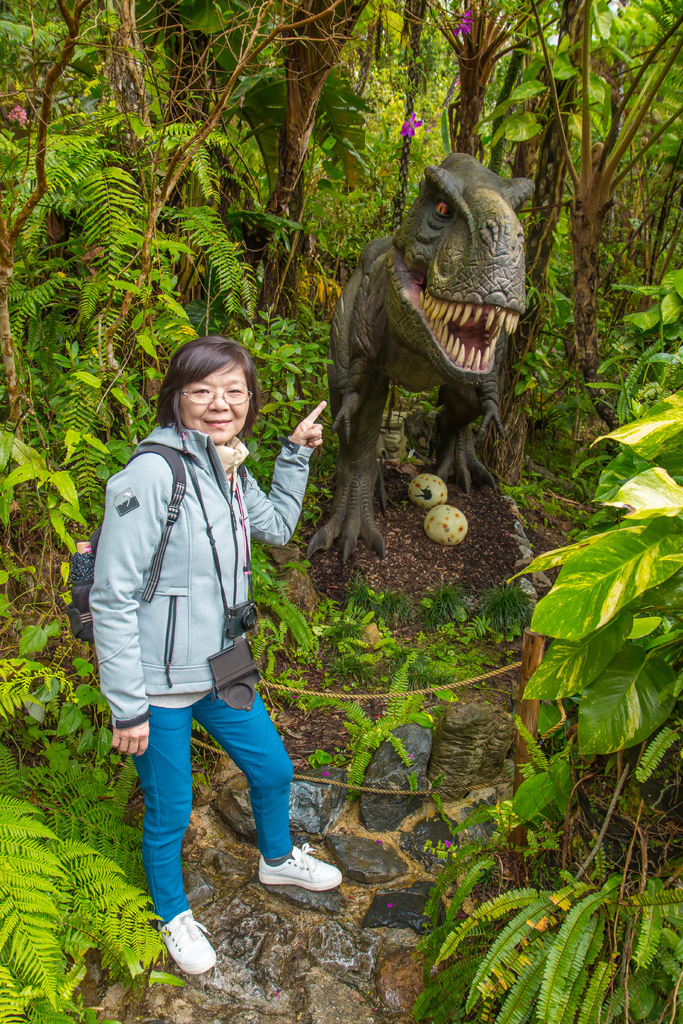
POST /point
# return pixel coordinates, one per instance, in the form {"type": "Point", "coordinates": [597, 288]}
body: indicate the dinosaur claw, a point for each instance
{"type": "Point", "coordinates": [375, 542]}
{"type": "Point", "coordinates": [349, 545]}
{"type": "Point", "coordinates": [320, 541]}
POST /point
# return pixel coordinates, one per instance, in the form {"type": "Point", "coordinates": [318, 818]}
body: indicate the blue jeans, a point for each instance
{"type": "Point", "coordinates": [251, 740]}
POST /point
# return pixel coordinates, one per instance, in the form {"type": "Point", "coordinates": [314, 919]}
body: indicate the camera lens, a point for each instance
{"type": "Point", "coordinates": [250, 616]}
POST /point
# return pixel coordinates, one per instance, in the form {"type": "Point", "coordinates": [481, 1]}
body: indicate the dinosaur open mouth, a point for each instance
{"type": "Point", "coordinates": [465, 332]}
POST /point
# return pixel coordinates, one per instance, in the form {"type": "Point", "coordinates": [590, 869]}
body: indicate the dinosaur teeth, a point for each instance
{"type": "Point", "coordinates": [450, 313]}
{"type": "Point", "coordinates": [489, 318]}
{"type": "Point", "coordinates": [470, 359]}
{"type": "Point", "coordinates": [510, 321]}
{"type": "Point", "coordinates": [477, 362]}
{"type": "Point", "coordinates": [456, 348]}
{"type": "Point", "coordinates": [460, 361]}
{"type": "Point", "coordinates": [450, 346]}
{"type": "Point", "coordinates": [422, 300]}
{"type": "Point", "coordinates": [466, 314]}
{"type": "Point", "coordinates": [457, 308]}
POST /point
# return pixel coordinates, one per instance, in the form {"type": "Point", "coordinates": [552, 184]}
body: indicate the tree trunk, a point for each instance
{"type": "Point", "coordinates": [366, 59]}
{"type": "Point", "coordinates": [506, 455]}
{"type": "Point", "coordinates": [7, 342]}
{"type": "Point", "coordinates": [413, 20]}
{"type": "Point", "coordinates": [125, 69]}
{"type": "Point", "coordinates": [310, 57]}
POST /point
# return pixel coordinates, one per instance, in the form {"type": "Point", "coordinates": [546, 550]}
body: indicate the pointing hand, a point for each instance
{"type": "Point", "coordinates": [309, 433]}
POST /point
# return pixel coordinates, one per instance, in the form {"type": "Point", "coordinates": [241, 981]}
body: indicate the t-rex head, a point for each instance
{"type": "Point", "coordinates": [457, 268]}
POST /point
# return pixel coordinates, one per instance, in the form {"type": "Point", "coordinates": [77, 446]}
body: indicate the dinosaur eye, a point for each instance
{"type": "Point", "coordinates": [442, 209]}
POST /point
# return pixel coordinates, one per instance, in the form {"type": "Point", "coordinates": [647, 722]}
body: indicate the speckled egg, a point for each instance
{"type": "Point", "coordinates": [446, 525]}
{"type": "Point", "coordinates": [427, 490]}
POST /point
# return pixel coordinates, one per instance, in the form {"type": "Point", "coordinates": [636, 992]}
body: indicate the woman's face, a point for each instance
{"type": "Point", "coordinates": [217, 416]}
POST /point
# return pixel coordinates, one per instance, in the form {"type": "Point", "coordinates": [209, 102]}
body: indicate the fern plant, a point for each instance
{"type": "Point", "coordinates": [557, 956]}
{"type": "Point", "coordinates": [58, 899]}
{"type": "Point", "coordinates": [368, 734]}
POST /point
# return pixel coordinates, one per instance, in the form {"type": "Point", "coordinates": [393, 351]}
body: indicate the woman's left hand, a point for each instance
{"type": "Point", "coordinates": [309, 433]}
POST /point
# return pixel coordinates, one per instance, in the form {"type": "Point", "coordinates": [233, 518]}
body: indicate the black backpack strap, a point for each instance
{"type": "Point", "coordinates": [177, 466]}
{"type": "Point", "coordinates": [242, 474]}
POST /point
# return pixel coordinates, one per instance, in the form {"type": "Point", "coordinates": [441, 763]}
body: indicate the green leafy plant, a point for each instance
{"type": "Point", "coordinates": [394, 608]}
{"type": "Point", "coordinates": [617, 587]}
{"type": "Point", "coordinates": [573, 954]}
{"type": "Point", "coordinates": [507, 608]}
{"type": "Point", "coordinates": [444, 604]}
{"type": "Point", "coordinates": [367, 735]}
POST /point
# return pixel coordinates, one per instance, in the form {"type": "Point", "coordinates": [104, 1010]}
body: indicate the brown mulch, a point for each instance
{"type": "Point", "coordinates": [487, 557]}
{"type": "Point", "coordinates": [413, 563]}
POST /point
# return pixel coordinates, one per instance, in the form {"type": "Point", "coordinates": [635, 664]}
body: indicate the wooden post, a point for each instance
{"type": "Point", "coordinates": [533, 645]}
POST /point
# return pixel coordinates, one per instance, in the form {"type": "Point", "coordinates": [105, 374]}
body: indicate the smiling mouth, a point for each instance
{"type": "Point", "coordinates": [465, 332]}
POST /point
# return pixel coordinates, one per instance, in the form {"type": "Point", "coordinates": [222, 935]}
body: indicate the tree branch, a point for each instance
{"type": "Point", "coordinates": [556, 103]}
{"type": "Point", "coordinates": [51, 79]}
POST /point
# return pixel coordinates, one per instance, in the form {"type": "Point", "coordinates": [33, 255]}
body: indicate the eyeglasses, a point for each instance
{"type": "Point", "coordinates": [203, 396]}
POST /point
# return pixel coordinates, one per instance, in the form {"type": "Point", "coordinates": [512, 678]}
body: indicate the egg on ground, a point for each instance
{"type": "Point", "coordinates": [445, 525]}
{"type": "Point", "coordinates": [427, 490]}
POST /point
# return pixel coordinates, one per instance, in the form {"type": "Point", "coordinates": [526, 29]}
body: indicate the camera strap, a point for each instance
{"type": "Point", "coordinates": [212, 539]}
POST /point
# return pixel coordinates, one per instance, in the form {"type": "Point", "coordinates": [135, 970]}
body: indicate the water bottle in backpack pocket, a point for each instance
{"type": "Point", "coordinates": [81, 579]}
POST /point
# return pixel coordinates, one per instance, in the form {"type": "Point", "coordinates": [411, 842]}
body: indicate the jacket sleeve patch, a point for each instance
{"type": "Point", "coordinates": [126, 501]}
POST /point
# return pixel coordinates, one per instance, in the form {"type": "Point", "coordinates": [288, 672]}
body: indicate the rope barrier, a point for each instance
{"type": "Point", "coordinates": [332, 782]}
{"type": "Point", "coordinates": [370, 695]}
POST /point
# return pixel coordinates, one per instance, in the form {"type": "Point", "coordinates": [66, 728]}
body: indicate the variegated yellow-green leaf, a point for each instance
{"type": "Point", "coordinates": [596, 582]}
{"type": "Point", "coordinates": [648, 434]}
{"type": "Point", "coordinates": [557, 556]}
{"type": "Point", "coordinates": [644, 626]}
{"type": "Point", "coordinates": [668, 596]}
{"type": "Point", "coordinates": [570, 665]}
{"type": "Point", "coordinates": [627, 702]}
{"type": "Point", "coordinates": [652, 493]}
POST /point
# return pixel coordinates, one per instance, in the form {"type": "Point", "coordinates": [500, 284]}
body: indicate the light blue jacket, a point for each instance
{"type": "Point", "coordinates": [133, 638]}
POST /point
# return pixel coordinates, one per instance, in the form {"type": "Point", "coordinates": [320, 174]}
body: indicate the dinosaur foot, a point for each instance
{"type": "Point", "coordinates": [353, 516]}
{"type": "Point", "coordinates": [457, 457]}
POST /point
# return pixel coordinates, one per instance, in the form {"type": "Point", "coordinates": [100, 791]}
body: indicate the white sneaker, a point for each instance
{"type": "Point", "coordinates": [300, 869]}
{"type": "Point", "coordinates": [184, 940]}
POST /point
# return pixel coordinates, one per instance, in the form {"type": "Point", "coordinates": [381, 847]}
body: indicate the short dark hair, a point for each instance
{"type": "Point", "coordinates": [196, 360]}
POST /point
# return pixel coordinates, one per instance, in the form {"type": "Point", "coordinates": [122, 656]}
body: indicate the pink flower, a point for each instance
{"type": "Point", "coordinates": [326, 773]}
{"type": "Point", "coordinates": [18, 115]}
{"type": "Point", "coordinates": [410, 125]}
{"type": "Point", "coordinates": [464, 25]}
{"type": "Point", "coordinates": [390, 904]}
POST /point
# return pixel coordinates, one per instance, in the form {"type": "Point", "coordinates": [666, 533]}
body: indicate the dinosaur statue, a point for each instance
{"type": "Point", "coordinates": [431, 306]}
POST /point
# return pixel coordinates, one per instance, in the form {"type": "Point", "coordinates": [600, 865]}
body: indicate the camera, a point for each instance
{"type": "Point", "coordinates": [240, 618]}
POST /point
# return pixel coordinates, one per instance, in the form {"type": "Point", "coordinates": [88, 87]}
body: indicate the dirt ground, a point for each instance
{"type": "Point", "coordinates": [488, 556]}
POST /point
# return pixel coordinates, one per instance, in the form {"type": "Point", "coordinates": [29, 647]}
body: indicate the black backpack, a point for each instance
{"type": "Point", "coordinates": [82, 571]}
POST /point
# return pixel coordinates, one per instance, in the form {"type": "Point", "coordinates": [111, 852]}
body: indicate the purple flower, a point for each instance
{"type": "Point", "coordinates": [18, 115]}
{"type": "Point", "coordinates": [410, 125]}
{"type": "Point", "coordinates": [326, 773]}
{"type": "Point", "coordinates": [390, 904]}
{"type": "Point", "coordinates": [447, 843]}
{"type": "Point", "coordinates": [464, 25]}
{"type": "Point", "coordinates": [378, 841]}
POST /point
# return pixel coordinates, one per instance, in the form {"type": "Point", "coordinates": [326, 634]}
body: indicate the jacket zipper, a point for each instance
{"type": "Point", "coordinates": [170, 636]}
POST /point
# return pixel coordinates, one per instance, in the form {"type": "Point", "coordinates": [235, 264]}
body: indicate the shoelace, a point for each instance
{"type": "Point", "coordinates": [192, 929]}
{"type": "Point", "coordinates": [302, 860]}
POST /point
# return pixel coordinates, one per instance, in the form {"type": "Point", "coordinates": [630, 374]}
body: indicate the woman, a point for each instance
{"type": "Point", "coordinates": [153, 655]}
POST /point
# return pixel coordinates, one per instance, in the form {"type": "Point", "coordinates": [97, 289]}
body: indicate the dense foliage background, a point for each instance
{"type": "Point", "coordinates": [169, 169]}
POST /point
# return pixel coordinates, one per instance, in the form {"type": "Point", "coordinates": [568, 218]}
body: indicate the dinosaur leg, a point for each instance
{"type": "Point", "coordinates": [353, 513]}
{"type": "Point", "coordinates": [455, 451]}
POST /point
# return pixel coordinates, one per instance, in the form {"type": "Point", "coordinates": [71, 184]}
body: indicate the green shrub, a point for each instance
{"type": "Point", "coordinates": [507, 608]}
{"type": "Point", "coordinates": [444, 604]}
{"type": "Point", "coordinates": [394, 608]}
